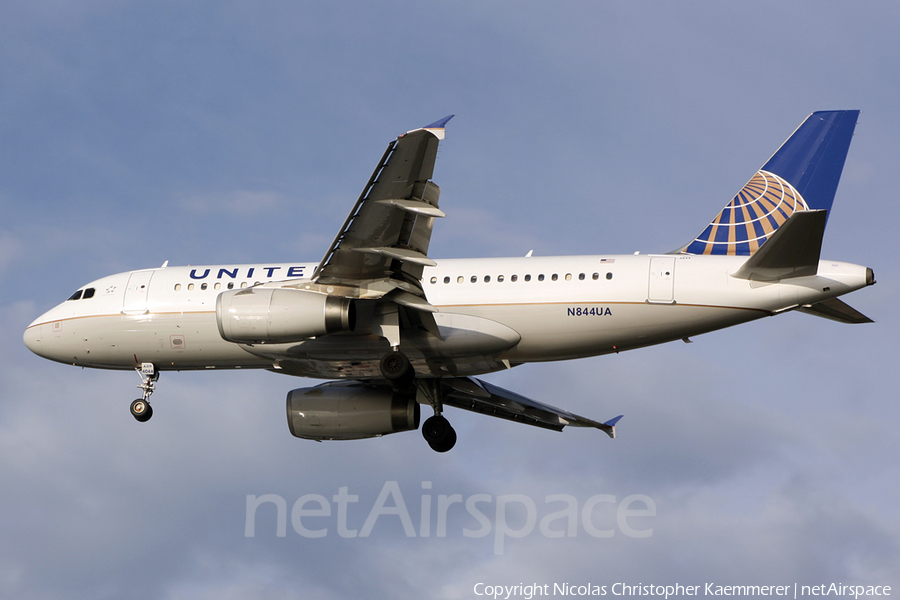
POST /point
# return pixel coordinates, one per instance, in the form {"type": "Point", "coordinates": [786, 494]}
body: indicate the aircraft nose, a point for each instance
{"type": "Point", "coordinates": [32, 338]}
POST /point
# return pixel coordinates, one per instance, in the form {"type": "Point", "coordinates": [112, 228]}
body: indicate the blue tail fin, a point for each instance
{"type": "Point", "coordinates": [802, 175]}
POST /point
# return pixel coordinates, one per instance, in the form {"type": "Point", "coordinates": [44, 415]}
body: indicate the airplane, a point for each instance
{"type": "Point", "coordinates": [396, 329]}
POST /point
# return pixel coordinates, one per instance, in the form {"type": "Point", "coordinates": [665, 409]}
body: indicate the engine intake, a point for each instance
{"type": "Point", "coordinates": [280, 315]}
{"type": "Point", "coordinates": [349, 411]}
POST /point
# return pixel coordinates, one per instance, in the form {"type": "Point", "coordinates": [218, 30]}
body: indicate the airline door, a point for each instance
{"type": "Point", "coordinates": [661, 288]}
{"type": "Point", "coordinates": [136, 291]}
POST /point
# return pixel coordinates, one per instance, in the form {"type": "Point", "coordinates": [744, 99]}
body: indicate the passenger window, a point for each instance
{"type": "Point", "coordinates": [459, 279]}
{"type": "Point", "coordinates": [446, 280]}
{"type": "Point", "coordinates": [499, 278]}
{"type": "Point", "coordinates": [218, 286]}
{"type": "Point", "coordinates": [487, 278]}
{"type": "Point", "coordinates": [568, 277]}
{"type": "Point", "coordinates": [177, 287]}
{"type": "Point", "coordinates": [474, 278]}
{"type": "Point", "coordinates": [243, 284]}
{"type": "Point", "coordinates": [76, 295]}
{"type": "Point", "coordinates": [528, 278]}
{"type": "Point", "coordinates": [190, 287]}
{"type": "Point", "coordinates": [433, 280]}
{"type": "Point", "coordinates": [609, 275]}
{"type": "Point", "coordinates": [203, 286]}
{"type": "Point", "coordinates": [596, 276]}
{"type": "Point", "coordinates": [514, 278]}
{"type": "Point", "coordinates": [581, 277]}
{"type": "Point", "coordinates": [555, 277]}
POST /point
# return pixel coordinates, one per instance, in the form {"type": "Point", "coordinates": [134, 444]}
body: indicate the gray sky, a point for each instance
{"type": "Point", "coordinates": [217, 132]}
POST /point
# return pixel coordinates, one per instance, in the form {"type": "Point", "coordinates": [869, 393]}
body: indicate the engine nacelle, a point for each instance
{"type": "Point", "coordinates": [349, 411]}
{"type": "Point", "coordinates": [281, 315]}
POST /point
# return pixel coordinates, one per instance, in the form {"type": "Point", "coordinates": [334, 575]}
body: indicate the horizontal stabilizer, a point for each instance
{"type": "Point", "coordinates": [479, 396]}
{"type": "Point", "coordinates": [792, 251]}
{"type": "Point", "coordinates": [836, 310]}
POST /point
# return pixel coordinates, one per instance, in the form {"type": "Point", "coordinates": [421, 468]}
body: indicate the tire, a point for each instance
{"type": "Point", "coordinates": [439, 434]}
{"type": "Point", "coordinates": [395, 368]}
{"type": "Point", "coordinates": [141, 410]}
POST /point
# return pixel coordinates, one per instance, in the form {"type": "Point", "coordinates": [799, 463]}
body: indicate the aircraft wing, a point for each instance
{"type": "Point", "coordinates": [387, 233]}
{"type": "Point", "coordinates": [479, 396]}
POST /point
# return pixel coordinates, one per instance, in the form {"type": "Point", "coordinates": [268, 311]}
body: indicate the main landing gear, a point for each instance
{"type": "Point", "coordinates": [436, 430]}
{"type": "Point", "coordinates": [140, 408]}
{"type": "Point", "coordinates": [396, 369]}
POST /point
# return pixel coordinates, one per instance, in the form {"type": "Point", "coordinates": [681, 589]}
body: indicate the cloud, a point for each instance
{"type": "Point", "coordinates": [10, 249]}
{"type": "Point", "coordinates": [767, 449]}
{"type": "Point", "coordinates": [238, 202]}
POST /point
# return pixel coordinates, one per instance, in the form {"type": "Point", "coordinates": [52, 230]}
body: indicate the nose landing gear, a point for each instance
{"type": "Point", "coordinates": [140, 408]}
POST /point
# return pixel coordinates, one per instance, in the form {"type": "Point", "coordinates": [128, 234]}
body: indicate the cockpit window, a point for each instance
{"type": "Point", "coordinates": [82, 294]}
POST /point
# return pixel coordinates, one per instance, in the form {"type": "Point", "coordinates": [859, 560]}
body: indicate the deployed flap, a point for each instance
{"type": "Point", "coordinates": [479, 396]}
{"type": "Point", "coordinates": [389, 229]}
{"type": "Point", "coordinates": [792, 251]}
{"type": "Point", "coordinates": [836, 310]}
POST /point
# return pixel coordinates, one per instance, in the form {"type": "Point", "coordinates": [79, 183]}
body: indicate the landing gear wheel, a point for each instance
{"type": "Point", "coordinates": [141, 410]}
{"type": "Point", "coordinates": [439, 434]}
{"type": "Point", "coordinates": [395, 368]}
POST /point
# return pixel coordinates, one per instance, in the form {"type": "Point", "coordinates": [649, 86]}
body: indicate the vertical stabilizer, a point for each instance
{"type": "Point", "coordinates": [802, 175]}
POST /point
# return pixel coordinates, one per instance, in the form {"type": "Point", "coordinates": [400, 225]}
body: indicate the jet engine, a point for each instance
{"type": "Point", "coordinates": [281, 315]}
{"type": "Point", "coordinates": [349, 411]}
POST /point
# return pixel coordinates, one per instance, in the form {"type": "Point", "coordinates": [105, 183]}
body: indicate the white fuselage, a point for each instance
{"type": "Point", "coordinates": [558, 307]}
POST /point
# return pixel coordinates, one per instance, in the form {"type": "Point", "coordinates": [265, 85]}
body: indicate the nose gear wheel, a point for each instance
{"type": "Point", "coordinates": [141, 410]}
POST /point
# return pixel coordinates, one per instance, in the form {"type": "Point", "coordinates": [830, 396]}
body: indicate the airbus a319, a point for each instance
{"type": "Point", "coordinates": [398, 330]}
